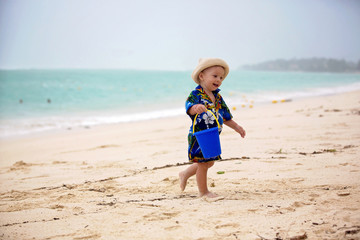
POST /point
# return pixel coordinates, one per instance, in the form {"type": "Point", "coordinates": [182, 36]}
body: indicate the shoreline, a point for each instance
{"type": "Point", "coordinates": [87, 120]}
{"type": "Point", "coordinates": [295, 174]}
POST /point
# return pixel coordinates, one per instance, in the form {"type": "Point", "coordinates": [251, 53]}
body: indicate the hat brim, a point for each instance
{"type": "Point", "coordinates": [205, 63]}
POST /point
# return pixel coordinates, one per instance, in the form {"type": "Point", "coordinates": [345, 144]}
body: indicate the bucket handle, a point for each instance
{"type": "Point", "coordinates": [198, 114]}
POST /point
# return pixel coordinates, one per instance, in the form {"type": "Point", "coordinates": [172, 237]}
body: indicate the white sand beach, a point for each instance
{"type": "Point", "coordinates": [296, 175]}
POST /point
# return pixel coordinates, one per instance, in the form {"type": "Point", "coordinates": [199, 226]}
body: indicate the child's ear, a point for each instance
{"type": "Point", "coordinates": [201, 75]}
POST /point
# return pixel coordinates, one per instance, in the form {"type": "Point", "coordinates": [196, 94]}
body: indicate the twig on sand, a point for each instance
{"type": "Point", "coordinates": [187, 163]}
{"type": "Point", "coordinates": [131, 174]}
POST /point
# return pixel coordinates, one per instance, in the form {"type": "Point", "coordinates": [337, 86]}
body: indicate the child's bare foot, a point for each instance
{"type": "Point", "coordinates": [183, 181]}
{"type": "Point", "coordinates": [209, 195]}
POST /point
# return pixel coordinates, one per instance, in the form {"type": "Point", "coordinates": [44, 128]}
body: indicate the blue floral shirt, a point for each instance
{"type": "Point", "coordinates": [205, 120]}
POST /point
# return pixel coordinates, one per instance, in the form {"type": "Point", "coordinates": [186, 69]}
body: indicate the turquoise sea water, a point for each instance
{"type": "Point", "coordinates": [36, 100]}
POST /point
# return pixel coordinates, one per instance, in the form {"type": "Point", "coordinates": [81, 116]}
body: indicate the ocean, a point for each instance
{"type": "Point", "coordinates": [40, 100]}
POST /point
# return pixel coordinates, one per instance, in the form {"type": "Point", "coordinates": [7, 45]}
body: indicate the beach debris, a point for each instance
{"type": "Point", "coordinates": [212, 184]}
{"type": "Point", "coordinates": [141, 171]}
{"type": "Point", "coordinates": [22, 164]}
{"type": "Point", "coordinates": [343, 193]}
{"type": "Point", "coordinates": [59, 162]}
{"type": "Point", "coordinates": [150, 200]}
{"type": "Point", "coordinates": [355, 112]}
{"type": "Point", "coordinates": [332, 110]}
{"type": "Point", "coordinates": [331, 150]}
{"type": "Point", "coordinates": [317, 152]}
{"type": "Point", "coordinates": [352, 230]}
{"type": "Point", "coordinates": [111, 203]}
{"type": "Point", "coordinates": [69, 186]}
{"type": "Point", "coordinates": [57, 206]}
{"type": "Point", "coordinates": [318, 222]}
{"type": "Point", "coordinates": [234, 108]}
{"type": "Point", "coordinates": [188, 163]}
{"type": "Point", "coordinates": [220, 172]}
{"type": "Point", "coordinates": [349, 146]}
{"type": "Point", "coordinates": [279, 152]}
{"type": "Point", "coordinates": [274, 101]}
{"type": "Point", "coordinates": [97, 190]}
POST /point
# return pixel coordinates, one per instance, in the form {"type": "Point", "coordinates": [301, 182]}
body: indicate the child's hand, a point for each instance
{"type": "Point", "coordinates": [241, 131]}
{"type": "Point", "coordinates": [197, 109]}
{"type": "Point", "coordinates": [231, 123]}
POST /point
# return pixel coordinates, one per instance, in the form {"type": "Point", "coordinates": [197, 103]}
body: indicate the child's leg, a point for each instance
{"type": "Point", "coordinates": [201, 178]}
{"type": "Point", "coordinates": [189, 172]}
{"type": "Point", "coordinates": [186, 174]}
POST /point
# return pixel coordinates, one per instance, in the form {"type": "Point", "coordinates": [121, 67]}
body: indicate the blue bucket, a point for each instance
{"type": "Point", "coordinates": [209, 140]}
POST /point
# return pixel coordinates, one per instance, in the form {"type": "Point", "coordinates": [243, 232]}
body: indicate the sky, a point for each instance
{"type": "Point", "coordinates": [173, 34]}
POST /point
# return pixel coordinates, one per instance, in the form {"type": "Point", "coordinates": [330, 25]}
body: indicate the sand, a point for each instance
{"type": "Point", "coordinates": [296, 175]}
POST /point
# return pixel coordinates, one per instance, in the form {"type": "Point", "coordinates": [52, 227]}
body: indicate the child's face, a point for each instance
{"type": "Point", "coordinates": [212, 77]}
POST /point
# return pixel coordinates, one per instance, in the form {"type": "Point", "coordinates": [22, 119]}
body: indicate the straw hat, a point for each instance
{"type": "Point", "coordinates": [205, 63]}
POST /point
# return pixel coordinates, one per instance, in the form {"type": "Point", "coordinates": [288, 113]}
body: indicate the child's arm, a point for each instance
{"type": "Point", "coordinates": [197, 109]}
{"type": "Point", "coordinates": [231, 123]}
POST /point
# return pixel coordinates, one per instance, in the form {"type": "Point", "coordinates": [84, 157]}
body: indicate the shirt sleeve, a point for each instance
{"type": "Point", "coordinates": [192, 100]}
{"type": "Point", "coordinates": [226, 114]}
